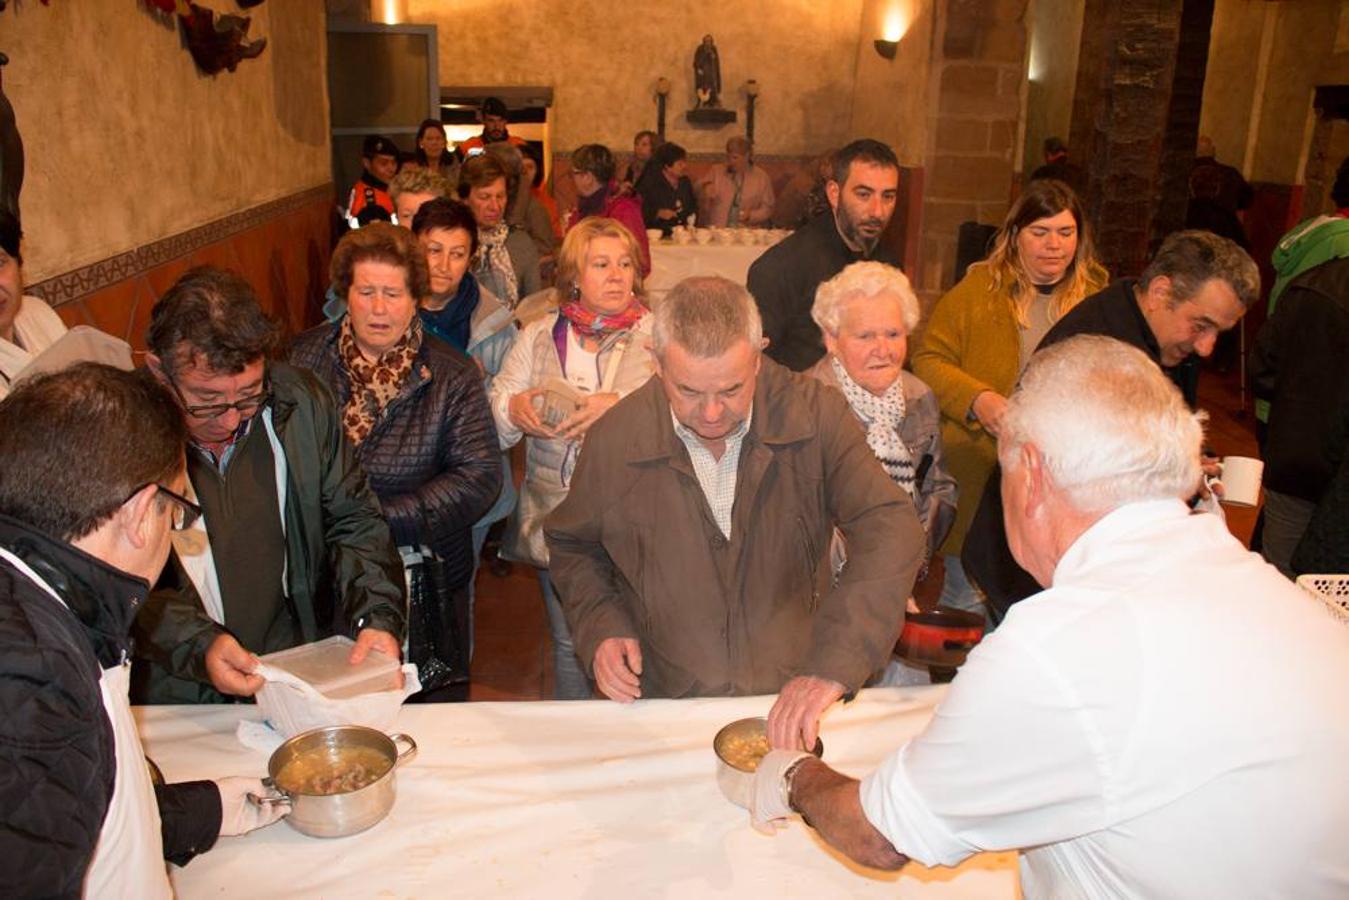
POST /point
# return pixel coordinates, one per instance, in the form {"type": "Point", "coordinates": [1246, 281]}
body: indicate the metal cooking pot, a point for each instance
{"type": "Point", "coordinates": [738, 784]}
{"type": "Point", "coordinates": [939, 637]}
{"type": "Point", "coordinates": [336, 815]}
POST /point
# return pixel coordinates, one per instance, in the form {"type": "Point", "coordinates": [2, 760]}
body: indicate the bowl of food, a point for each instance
{"type": "Point", "coordinates": [739, 747]}
{"type": "Point", "coordinates": [337, 781]}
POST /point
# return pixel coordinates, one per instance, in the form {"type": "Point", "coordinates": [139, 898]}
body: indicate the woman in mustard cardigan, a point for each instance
{"type": "Point", "coordinates": [983, 331]}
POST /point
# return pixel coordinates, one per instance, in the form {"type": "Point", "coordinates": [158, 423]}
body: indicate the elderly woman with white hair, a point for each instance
{"type": "Point", "coordinates": [866, 313]}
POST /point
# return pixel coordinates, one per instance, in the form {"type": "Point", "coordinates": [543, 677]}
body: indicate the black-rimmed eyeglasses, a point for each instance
{"type": "Point", "coordinates": [185, 512]}
{"type": "Point", "coordinates": [246, 406]}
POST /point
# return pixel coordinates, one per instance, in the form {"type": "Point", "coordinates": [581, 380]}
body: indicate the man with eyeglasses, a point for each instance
{"type": "Point", "coordinates": [292, 546]}
{"type": "Point", "coordinates": [90, 493]}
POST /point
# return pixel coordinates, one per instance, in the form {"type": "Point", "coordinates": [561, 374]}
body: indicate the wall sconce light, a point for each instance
{"type": "Point", "coordinates": [886, 48]}
{"type": "Point", "coordinates": [662, 92]}
{"type": "Point", "coordinates": [389, 12]}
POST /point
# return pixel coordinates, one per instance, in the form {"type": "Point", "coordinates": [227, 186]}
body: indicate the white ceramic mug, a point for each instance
{"type": "Point", "coordinates": [1241, 480]}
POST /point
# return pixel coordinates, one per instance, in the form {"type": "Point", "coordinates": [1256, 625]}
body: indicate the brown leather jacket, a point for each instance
{"type": "Point", "coordinates": [636, 552]}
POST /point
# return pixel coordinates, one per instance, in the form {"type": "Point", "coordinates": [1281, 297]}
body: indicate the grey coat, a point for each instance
{"type": "Point", "coordinates": [935, 494]}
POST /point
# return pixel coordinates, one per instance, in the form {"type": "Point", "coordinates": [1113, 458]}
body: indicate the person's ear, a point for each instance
{"type": "Point", "coordinates": [136, 518]}
{"type": "Point", "coordinates": [830, 343]}
{"type": "Point", "coordinates": [1158, 292]}
{"type": "Point", "coordinates": [832, 191]}
{"type": "Point", "coordinates": [1032, 468]}
{"type": "Point", "coordinates": [156, 367]}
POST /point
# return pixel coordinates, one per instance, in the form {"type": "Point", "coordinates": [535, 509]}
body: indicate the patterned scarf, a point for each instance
{"type": "Point", "coordinates": [373, 384]}
{"type": "Point", "coordinates": [882, 417]}
{"type": "Point", "coordinates": [493, 257]}
{"type": "Point", "coordinates": [595, 325]}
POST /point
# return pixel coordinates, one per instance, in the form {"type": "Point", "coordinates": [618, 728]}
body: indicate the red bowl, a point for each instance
{"type": "Point", "coordinates": [939, 637]}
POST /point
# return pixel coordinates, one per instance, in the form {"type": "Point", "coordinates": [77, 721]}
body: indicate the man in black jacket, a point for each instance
{"type": "Point", "coordinates": [293, 547]}
{"type": "Point", "coordinates": [89, 493]}
{"type": "Point", "coordinates": [1198, 286]}
{"type": "Point", "coordinates": [1300, 364]}
{"type": "Point", "coordinates": [862, 193]}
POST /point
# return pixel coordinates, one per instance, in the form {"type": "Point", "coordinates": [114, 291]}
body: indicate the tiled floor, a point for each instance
{"type": "Point", "coordinates": [512, 659]}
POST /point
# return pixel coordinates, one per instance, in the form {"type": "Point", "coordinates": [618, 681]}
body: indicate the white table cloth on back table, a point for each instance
{"type": "Point", "coordinates": [558, 800]}
{"type": "Point", "coordinates": [671, 263]}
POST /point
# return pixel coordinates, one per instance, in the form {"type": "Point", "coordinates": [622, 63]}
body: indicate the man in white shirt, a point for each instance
{"type": "Point", "coordinates": [27, 325]}
{"type": "Point", "coordinates": [1163, 720]}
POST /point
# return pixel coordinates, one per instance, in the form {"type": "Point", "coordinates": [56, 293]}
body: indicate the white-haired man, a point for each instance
{"type": "Point", "coordinates": [1162, 720]}
{"type": "Point", "coordinates": [692, 552]}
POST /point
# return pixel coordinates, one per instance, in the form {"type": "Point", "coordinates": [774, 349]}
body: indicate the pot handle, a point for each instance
{"type": "Point", "coordinates": [280, 798]}
{"type": "Point", "coordinates": [405, 755]}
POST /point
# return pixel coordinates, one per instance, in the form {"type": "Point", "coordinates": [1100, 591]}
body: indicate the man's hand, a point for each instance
{"type": "Point", "coordinates": [373, 639]}
{"type": "Point", "coordinates": [1211, 469]}
{"type": "Point", "coordinates": [618, 663]}
{"type": "Point", "coordinates": [230, 667]}
{"type": "Point", "coordinates": [592, 407]}
{"type": "Point", "coordinates": [988, 408]}
{"type": "Point", "coordinates": [794, 720]}
{"type": "Point", "coordinates": [524, 417]}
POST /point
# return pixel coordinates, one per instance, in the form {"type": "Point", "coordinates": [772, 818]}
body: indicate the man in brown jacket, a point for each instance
{"type": "Point", "coordinates": [692, 552]}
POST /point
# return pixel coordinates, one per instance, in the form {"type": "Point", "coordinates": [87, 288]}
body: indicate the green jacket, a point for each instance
{"type": "Point", "coordinates": [1302, 249]}
{"type": "Point", "coordinates": [343, 572]}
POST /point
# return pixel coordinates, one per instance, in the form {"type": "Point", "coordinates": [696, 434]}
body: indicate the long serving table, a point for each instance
{"type": "Point", "coordinates": [671, 263]}
{"type": "Point", "coordinates": [553, 799]}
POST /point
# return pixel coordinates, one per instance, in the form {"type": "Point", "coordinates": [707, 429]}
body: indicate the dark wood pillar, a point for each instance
{"type": "Point", "coordinates": [1140, 81]}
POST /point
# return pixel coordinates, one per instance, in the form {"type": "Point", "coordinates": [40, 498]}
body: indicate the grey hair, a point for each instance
{"type": "Point", "coordinates": [1111, 427]}
{"type": "Point", "coordinates": [706, 315]}
{"type": "Point", "coordinates": [420, 181]}
{"type": "Point", "coordinates": [1191, 258]}
{"type": "Point", "coordinates": [863, 280]}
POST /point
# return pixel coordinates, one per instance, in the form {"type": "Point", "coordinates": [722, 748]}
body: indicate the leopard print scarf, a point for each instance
{"type": "Point", "coordinates": [374, 384]}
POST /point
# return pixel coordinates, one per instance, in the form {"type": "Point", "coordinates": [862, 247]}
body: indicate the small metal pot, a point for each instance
{"type": "Point", "coordinates": [737, 784]}
{"type": "Point", "coordinates": [336, 815]}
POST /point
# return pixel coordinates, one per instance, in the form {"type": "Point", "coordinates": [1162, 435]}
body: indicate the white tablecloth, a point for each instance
{"type": "Point", "coordinates": [559, 800]}
{"type": "Point", "coordinates": [671, 263]}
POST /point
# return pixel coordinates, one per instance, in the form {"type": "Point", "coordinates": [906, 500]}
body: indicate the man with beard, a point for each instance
{"type": "Point", "coordinates": [862, 193]}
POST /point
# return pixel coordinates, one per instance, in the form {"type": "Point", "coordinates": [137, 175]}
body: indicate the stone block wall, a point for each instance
{"type": "Point", "coordinates": [975, 104]}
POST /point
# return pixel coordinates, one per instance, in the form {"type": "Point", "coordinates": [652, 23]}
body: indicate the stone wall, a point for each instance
{"type": "Point", "coordinates": [603, 58]}
{"type": "Point", "coordinates": [975, 100]}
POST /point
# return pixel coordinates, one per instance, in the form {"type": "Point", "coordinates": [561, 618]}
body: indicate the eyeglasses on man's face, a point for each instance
{"type": "Point", "coordinates": [185, 512]}
{"type": "Point", "coordinates": [247, 407]}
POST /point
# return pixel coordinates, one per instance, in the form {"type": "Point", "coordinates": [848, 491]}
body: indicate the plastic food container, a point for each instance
{"type": "Point", "coordinates": [335, 691]}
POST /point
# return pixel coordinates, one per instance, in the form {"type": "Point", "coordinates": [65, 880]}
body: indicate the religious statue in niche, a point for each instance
{"type": "Point", "coordinates": [707, 74]}
{"type": "Point", "coordinates": [215, 40]}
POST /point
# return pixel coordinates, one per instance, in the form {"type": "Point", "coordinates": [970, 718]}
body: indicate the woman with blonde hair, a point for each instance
{"type": "Point", "coordinates": [564, 371]}
{"type": "Point", "coordinates": [983, 331]}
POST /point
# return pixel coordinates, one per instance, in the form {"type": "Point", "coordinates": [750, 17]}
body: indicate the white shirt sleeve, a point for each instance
{"type": "Point", "coordinates": [1010, 760]}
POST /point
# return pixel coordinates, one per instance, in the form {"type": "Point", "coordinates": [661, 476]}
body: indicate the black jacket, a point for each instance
{"type": "Point", "coordinates": [657, 194]}
{"type": "Point", "coordinates": [1300, 364]}
{"type": "Point", "coordinates": [56, 742]}
{"type": "Point", "coordinates": [432, 458]}
{"type": "Point", "coordinates": [783, 281]}
{"type": "Point", "coordinates": [342, 569]}
{"type": "Point", "coordinates": [986, 558]}
{"type": "Point", "coordinates": [1324, 548]}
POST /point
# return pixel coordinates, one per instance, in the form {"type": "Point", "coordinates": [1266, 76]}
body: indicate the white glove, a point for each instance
{"type": "Point", "coordinates": [238, 814]}
{"type": "Point", "coordinates": [768, 809]}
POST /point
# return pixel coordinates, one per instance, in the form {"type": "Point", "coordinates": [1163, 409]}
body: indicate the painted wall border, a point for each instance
{"type": "Point", "coordinates": [77, 284]}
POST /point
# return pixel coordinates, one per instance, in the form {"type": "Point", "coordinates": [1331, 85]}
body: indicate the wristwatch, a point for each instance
{"type": "Point", "coordinates": [787, 776]}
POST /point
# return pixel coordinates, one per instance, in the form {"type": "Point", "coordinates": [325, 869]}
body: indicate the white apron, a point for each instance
{"type": "Point", "coordinates": [128, 859]}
